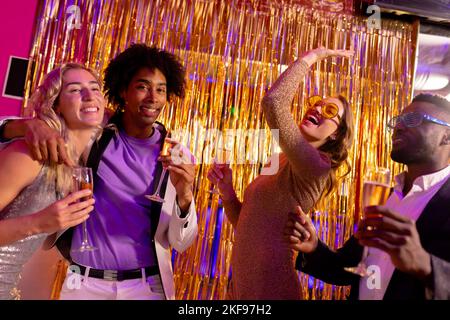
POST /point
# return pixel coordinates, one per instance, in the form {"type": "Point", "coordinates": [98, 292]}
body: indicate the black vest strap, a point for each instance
{"type": "Point", "coordinates": [99, 146]}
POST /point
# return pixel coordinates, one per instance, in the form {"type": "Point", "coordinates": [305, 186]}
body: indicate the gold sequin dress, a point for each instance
{"type": "Point", "coordinates": [262, 263]}
{"type": "Point", "coordinates": [31, 199]}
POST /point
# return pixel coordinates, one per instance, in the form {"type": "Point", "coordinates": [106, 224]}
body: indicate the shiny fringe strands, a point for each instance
{"type": "Point", "coordinates": [233, 51]}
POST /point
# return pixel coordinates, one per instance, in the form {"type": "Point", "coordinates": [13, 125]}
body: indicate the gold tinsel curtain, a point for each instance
{"type": "Point", "coordinates": [233, 51]}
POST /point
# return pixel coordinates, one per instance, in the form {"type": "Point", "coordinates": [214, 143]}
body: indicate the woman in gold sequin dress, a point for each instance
{"type": "Point", "coordinates": [262, 263]}
{"type": "Point", "coordinates": [69, 100]}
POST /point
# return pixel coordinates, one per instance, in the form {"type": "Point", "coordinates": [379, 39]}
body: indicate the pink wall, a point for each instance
{"type": "Point", "coordinates": [16, 36]}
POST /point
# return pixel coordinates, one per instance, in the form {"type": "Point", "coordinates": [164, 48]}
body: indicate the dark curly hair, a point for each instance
{"type": "Point", "coordinates": [337, 148]}
{"type": "Point", "coordinates": [123, 67]}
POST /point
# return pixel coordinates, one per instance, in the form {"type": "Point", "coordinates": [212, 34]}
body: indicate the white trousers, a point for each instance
{"type": "Point", "coordinates": [82, 287]}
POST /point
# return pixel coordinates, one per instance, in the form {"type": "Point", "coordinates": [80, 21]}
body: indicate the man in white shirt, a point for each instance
{"type": "Point", "coordinates": [409, 237]}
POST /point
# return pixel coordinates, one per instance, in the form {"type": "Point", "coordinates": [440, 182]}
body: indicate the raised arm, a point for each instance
{"type": "Point", "coordinates": [276, 105]}
{"type": "Point", "coordinates": [183, 228]}
{"type": "Point", "coordinates": [232, 207]}
{"type": "Point", "coordinates": [43, 142]}
{"type": "Point", "coordinates": [221, 175]}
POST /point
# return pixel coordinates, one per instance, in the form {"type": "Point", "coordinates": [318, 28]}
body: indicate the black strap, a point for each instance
{"type": "Point", "coordinates": [99, 146]}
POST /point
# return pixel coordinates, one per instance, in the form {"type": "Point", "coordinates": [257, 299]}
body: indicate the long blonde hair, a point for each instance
{"type": "Point", "coordinates": [337, 149]}
{"type": "Point", "coordinates": [43, 102]}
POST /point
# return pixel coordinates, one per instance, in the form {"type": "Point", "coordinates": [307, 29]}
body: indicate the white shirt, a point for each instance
{"type": "Point", "coordinates": [411, 206]}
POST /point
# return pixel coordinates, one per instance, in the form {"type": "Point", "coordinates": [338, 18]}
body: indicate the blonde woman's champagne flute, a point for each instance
{"type": "Point", "coordinates": [83, 179]}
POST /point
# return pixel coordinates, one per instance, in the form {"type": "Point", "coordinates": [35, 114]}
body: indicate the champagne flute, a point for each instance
{"type": "Point", "coordinates": [164, 153]}
{"type": "Point", "coordinates": [83, 179]}
{"type": "Point", "coordinates": [376, 189]}
{"type": "Point", "coordinates": [221, 157]}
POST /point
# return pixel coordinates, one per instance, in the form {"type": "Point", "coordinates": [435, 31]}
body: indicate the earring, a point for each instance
{"type": "Point", "coordinates": [122, 108]}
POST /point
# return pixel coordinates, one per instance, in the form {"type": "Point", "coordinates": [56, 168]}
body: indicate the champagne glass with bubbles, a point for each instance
{"type": "Point", "coordinates": [83, 179]}
{"type": "Point", "coordinates": [376, 189]}
{"type": "Point", "coordinates": [164, 153]}
{"type": "Point", "coordinates": [222, 156]}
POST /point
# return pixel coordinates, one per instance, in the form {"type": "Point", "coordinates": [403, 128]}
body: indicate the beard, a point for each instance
{"type": "Point", "coordinates": [410, 155]}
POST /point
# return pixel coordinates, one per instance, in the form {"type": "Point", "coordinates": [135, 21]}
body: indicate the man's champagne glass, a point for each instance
{"type": "Point", "coordinates": [164, 153]}
{"type": "Point", "coordinates": [376, 189]}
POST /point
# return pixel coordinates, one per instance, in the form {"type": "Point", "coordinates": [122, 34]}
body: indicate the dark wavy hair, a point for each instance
{"type": "Point", "coordinates": [123, 68]}
{"type": "Point", "coordinates": [337, 149]}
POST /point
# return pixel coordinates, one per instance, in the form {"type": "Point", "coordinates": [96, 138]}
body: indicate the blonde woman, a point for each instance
{"type": "Point", "coordinates": [262, 262]}
{"type": "Point", "coordinates": [35, 200]}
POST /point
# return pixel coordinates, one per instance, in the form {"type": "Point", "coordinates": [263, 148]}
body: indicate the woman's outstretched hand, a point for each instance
{"type": "Point", "coordinates": [321, 53]}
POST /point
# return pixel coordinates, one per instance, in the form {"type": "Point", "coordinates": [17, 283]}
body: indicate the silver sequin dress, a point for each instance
{"type": "Point", "coordinates": [31, 199]}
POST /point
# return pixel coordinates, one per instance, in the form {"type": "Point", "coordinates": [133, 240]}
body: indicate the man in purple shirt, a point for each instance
{"type": "Point", "coordinates": [133, 234]}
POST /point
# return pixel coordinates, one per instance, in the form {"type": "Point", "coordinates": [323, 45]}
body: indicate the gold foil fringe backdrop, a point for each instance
{"type": "Point", "coordinates": [233, 51]}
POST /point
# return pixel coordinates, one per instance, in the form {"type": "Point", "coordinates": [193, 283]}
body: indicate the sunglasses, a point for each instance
{"type": "Point", "coordinates": [414, 119]}
{"type": "Point", "coordinates": [329, 110]}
